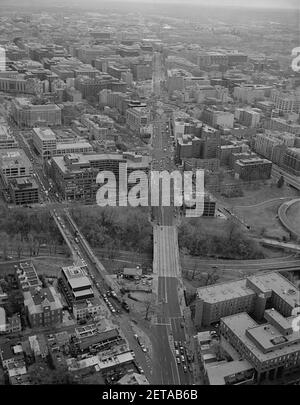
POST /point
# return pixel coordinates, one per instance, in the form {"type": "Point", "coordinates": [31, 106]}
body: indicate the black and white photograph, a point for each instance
{"type": "Point", "coordinates": [149, 197]}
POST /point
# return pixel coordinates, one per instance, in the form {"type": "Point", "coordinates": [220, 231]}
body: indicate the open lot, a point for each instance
{"type": "Point", "coordinates": [258, 193]}
{"type": "Point", "coordinates": [51, 266]}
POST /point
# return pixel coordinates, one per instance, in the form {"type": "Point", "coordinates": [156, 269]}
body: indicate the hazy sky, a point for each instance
{"type": "Point", "coordinates": [244, 3]}
{"type": "Point", "coordinates": [236, 3]}
{"type": "Point", "coordinates": [295, 4]}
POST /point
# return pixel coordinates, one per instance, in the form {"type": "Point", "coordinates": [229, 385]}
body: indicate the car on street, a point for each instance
{"type": "Point", "coordinates": [182, 358]}
{"type": "Point", "coordinates": [185, 369]}
{"type": "Point", "coordinates": [178, 360]}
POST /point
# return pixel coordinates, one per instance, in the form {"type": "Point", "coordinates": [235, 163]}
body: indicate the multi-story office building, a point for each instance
{"type": "Point", "coordinates": [75, 174]}
{"type": "Point", "coordinates": [26, 114]}
{"type": "Point", "coordinates": [272, 348]}
{"type": "Point", "coordinates": [252, 169]}
{"type": "Point", "coordinates": [78, 292]}
{"type": "Point", "coordinates": [23, 191]}
{"type": "Point", "coordinates": [43, 307]}
{"type": "Point", "coordinates": [14, 163]}
{"type": "Point", "coordinates": [137, 118]}
{"type": "Point", "coordinates": [253, 295]}
{"type": "Point", "coordinates": [47, 144]}
{"type": "Point", "coordinates": [7, 141]}
{"type": "Point", "coordinates": [44, 140]}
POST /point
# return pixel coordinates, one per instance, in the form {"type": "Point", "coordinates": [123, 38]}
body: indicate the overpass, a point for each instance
{"type": "Point", "coordinates": [294, 181]}
{"type": "Point", "coordinates": [284, 219]}
{"type": "Point", "coordinates": [288, 246]}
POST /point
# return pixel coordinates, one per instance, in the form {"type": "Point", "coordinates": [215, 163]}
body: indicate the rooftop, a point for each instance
{"type": "Point", "coordinates": [217, 373]}
{"type": "Point", "coordinates": [76, 277]}
{"type": "Point", "coordinates": [272, 281]}
{"type": "Point", "coordinates": [37, 300]}
{"type": "Point", "coordinates": [9, 158]}
{"type": "Point", "coordinates": [45, 134]}
{"type": "Point", "coordinates": [265, 341]}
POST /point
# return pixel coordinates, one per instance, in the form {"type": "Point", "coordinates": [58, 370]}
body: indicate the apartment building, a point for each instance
{"type": "Point", "coordinates": [27, 277]}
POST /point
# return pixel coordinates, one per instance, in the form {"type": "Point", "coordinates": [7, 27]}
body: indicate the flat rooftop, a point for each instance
{"type": "Point", "coordinates": [265, 341]}
{"type": "Point", "coordinates": [76, 277]}
{"type": "Point", "coordinates": [45, 134]}
{"type": "Point", "coordinates": [272, 281]}
{"type": "Point", "coordinates": [218, 372]}
{"type": "Point", "coordinates": [10, 158]}
{"type": "Point", "coordinates": [224, 291]}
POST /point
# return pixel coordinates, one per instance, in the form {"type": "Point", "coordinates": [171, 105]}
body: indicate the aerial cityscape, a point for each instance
{"type": "Point", "coordinates": [149, 194]}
